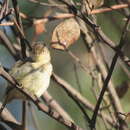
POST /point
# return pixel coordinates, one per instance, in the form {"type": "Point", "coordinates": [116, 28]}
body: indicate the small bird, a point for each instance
{"type": "Point", "coordinates": [34, 75]}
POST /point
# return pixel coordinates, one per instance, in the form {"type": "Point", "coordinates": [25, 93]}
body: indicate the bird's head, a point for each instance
{"type": "Point", "coordinates": [40, 53]}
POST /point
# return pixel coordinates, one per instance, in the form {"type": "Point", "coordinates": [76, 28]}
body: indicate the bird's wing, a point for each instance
{"type": "Point", "coordinates": [20, 69]}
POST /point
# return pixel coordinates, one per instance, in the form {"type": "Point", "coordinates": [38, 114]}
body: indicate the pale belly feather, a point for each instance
{"type": "Point", "coordinates": [35, 81]}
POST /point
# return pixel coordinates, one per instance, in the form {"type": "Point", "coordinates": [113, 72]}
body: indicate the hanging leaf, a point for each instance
{"type": "Point", "coordinates": [65, 34]}
{"type": "Point", "coordinates": [39, 26]}
{"type": "Point", "coordinates": [126, 115]}
{"type": "Point", "coordinates": [122, 89]}
{"type": "Point", "coordinates": [127, 118]}
{"type": "Point", "coordinates": [97, 3]}
{"type": "Point", "coordinates": [91, 4]}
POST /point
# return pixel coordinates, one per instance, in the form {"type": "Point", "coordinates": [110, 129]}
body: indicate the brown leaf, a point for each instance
{"type": "Point", "coordinates": [39, 26]}
{"type": "Point", "coordinates": [127, 117]}
{"type": "Point", "coordinates": [65, 34]}
{"type": "Point", "coordinates": [122, 89]}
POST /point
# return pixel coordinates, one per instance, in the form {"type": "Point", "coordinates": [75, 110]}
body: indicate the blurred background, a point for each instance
{"type": "Point", "coordinates": [65, 66]}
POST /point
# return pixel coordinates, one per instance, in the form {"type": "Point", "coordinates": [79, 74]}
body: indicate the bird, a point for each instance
{"type": "Point", "coordinates": [32, 75]}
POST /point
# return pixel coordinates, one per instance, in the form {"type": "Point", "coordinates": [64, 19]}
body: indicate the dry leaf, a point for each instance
{"type": "Point", "coordinates": [126, 115]}
{"type": "Point", "coordinates": [91, 4]}
{"type": "Point", "coordinates": [122, 89]}
{"type": "Point", "coordinates": [96, 3]}
{"type": "Point", "coordinates": [65, 34]}
{"type": "Point", "coordinates": [39, 26]}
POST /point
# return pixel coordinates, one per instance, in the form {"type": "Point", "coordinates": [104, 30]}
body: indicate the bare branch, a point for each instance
{"type": "Point", "coordinates": [69, 89]}
{"type": "Point", "coordinates": [40, 105]}
{"type": "Point", "coordinates": [105, 85]}
{"type": "Point", "coordinates": [54, 105]}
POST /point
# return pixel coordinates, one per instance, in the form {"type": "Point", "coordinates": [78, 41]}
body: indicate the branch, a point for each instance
{"type": "Point", "coordinates": [71, 91]}
{"type": "Point", "coordinates": [54, 105]}
{"type": "Point", "coordinates": [8, 45]}
{"type": "Point", "coordinates": [39, 105]}
{"type": "Point", "coordinates": [112, 8]}
{"type": "Point", "coordinates": [24, 116]}
{"type": "Point", "coordinates": [9, 119]}
{"type": "Point", "coordinates": [105, 85]}
{"type": "Point", "coordinates": [4, 9]}
{"type": "Point", "coordinates": [19, 26]}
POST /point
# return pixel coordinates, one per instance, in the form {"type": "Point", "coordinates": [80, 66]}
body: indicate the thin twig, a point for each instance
{"type": "Point", "coordinates": [7, 24]}
{"type": "Point", "coordinates": [54, 105]}
{"type": "Point", "coordinates": [8, 45]}
{"type": "Point", "coordinates": [124, 68]}
{"type": "Point", "coordinates": [4, 9]}
{"type": "Point", "coordinates": [21, 34]}
{"type": "Point", "coordinates": [70, 15]}
{"type": "Point", "coordinates": [39, 105]}
{"type": "Point", "coordinates": [112, 8]}
{"type": "Point", "coordinates": [70, 89]}
{"type": "Point", "coordinates": [77, 78]}
{"type": "Point", "coordinates": [9, 119]}
{"type": "Point", "coordinates": [24, 115]}
{"type": "Point", "coordinates": [19, 24]}
{"type": "Point", "coordinates": [93, 120]}
{"type": "Point", "coordinates": [6, 15]}
{"type": "Point", "coordinates": [101, 66]}
{"type": "Point", "coordinates": [81, 107]}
